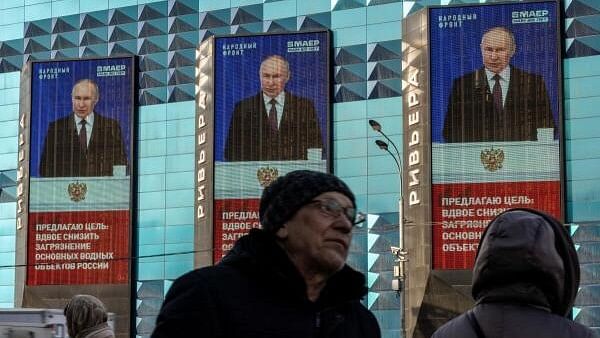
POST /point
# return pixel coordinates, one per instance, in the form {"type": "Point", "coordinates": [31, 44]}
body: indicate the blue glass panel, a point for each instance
{"type": "Point", "coordinates": [151, 200]}
{"type": "Point", "coordinates": [582, 107]}
{"type": "Point", "coordinates": [179, 233]}
{"type": "Point", "coordinates": [153, 130]}
{"type": "Point", "coordinates": [151, 218]}
{"type": "Point", "coordinates": [349, 110]}
{"type": "Point", "coordinates": [391, 106]}
{"type": "Point", "coordinates": [179, 198]}
{"type": "Point", "coordinates": [211, 5]}
{"type": "Point", "coordinates": [383, 13]}
{"type": "Point", "coordinates": [151, 165]}
{"type": "Point", "coordinates": [349, 18]}
{"type": "Point", "coordinates": [148, 251]}
{"type": "Point", "coordinates": [7, 293]}
{"type": "Point", "coordinates": [380, 184]}
{"type": "Point", "coordinates": [9, 96]}
{"type": "Point", "coordinates": [349, 148]}
{"type": "Point", "coordinates": [153, 147]}
{"type": "Point", "coordinates": [8, 226]}
{"type": "Point", "coordinates": [313, 6]}
{"type": "Point", "coordinates": [380, 162]}
{"type": "Point", "coordinates": [7, 243]}
{"type": "Point", "coordinates": [239, 3]}
{"type": "Point", "coordinates": [279, 9]}
{"type": "Point", "coordinates": [582, 87]}
{"type": "Point", "coordinates": [10, 112]}
{"type": "Point", "coordinates": [151, 271]}
{"type": "Point", "coordinates": [181, 180]}
{"type": "Point", "coordinates": [583, 169]}
{"type": "Point", "coordinates": [11, 32]}
{"type": "Point", "coordinates": [182, 110]}
{"type": "Point", "coordinates": [180, 127]}
{"type": "Point", "coordinates": [7, 259]}
{"type": "Point", "coordinates": [177, 268]}
{"type": "Point", "coordinates": [154, 182]}
{"type": "Point", "coordinates": [581, 67]}
{"type": "Point", "coordinates": [358, 184]}
{"type": "Point", "coordinates": [350, 167]}
{"type": "Point", "coordinates": [7, 162]}
{"type": "Point", "coordinates": [177, 163]}
{"type": "Point", "coordinates": [349, 36]}
{"type": "Point", "coordinates": [8, 145]}
{"type": "Point", "coordinates": [92, 6]}
{"type": "Point", "coordinates": [582, 149]}
{"type": "Point", "coordinates": [12, 80]}
{"type": "Point", "coordinates": [8, 210]}
{"type": "Point", "coordinates": [181, 145]}
{"type": "Point", "coordinates": [10, 3]}
{"type": "Point", "coordinates": [582, 128]}
{"type": "Point", "coordinates": [583, 190]}
{"type": "Point", "coordinates": [154, 235]}
{"type": "Point", "coordinates": [8, 129]}
{"type": "Point", "coordinates": [583, 211]}
{"type": "Point", "coordinates": [179, 250]}
{"type": "Point", "coordinates": [179, 216]}
{"type": "Point", "coordinates": [65, 7]}
{"type": "Point", "coordinates": [152, 113]}
{"type": "Point", "coordinates": [12, 15]}
{"type": "Point", "coordinates": [121, 3]}
{"type": "Point", "coordinates": [350, 129]}
{"type": "Point", "coordinates": [384, 31]}
{"type": "Point", "coordinates": [7, 276]}
{"type": "Point", "coordinates": [378, 203]}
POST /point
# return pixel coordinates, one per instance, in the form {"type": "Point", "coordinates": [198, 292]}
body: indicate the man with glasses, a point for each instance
{"type": "Point", "coordinates": [289, 279]}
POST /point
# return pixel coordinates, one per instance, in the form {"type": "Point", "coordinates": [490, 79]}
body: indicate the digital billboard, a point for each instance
{"type": "Point", "coordinates": [80, 162]}
{"type": "Point", "coordinates": [495, 119]}
{"type": "Point", "coordinates": [271, 116]}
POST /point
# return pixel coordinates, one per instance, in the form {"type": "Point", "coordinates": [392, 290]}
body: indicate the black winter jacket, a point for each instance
{"type": "Point", "coordinates": [255, 291]}
{"type": "Point", "coordinates": [525, 280]}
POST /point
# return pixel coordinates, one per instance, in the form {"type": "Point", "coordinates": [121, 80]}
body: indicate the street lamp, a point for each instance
{"type": "Point", "coordinates": [400, 252]}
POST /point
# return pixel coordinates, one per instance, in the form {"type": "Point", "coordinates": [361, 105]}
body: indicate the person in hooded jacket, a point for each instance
{"type": "Point", "coordinates": [525, 280]}
{"type": "Point", "coordinates": [287, 280]}
{"type": "Point", "coordinates": [87, 318]}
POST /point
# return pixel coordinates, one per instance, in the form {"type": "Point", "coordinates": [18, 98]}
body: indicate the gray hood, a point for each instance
{"type": "Point", "coordinates": [526, 256]}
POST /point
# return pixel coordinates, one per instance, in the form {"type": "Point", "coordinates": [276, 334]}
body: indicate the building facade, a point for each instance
{"type": "Point", "coordinates": [367, 84]}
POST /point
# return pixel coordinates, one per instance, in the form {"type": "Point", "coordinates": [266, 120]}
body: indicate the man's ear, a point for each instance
{"type": "Point", "coordinates": [282, 232]}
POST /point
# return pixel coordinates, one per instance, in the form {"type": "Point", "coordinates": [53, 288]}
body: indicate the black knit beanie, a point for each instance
{"type": "Point", "coordinates": [287, 194]}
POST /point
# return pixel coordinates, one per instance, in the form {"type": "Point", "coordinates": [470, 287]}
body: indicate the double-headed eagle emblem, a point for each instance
{"type": "Point", "coordinates": [77, 191]}
{"type": "Point", "coordinates": [266, 176]}
{"type": "Point", "coordinates": [492, 159]}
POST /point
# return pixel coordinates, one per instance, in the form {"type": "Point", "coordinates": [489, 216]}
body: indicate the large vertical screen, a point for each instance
{"type": "Point", "coordinates": [80, 165]}
{"type": "Point", "coordinates": [495, 113]}
{"type": "Point", "coordinates": [271, 117]}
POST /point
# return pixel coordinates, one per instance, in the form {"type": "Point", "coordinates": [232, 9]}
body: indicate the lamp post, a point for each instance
{"type": "Point", "coordinates": [400, 252]}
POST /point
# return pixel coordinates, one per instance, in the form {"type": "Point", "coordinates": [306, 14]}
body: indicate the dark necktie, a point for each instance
{"type": "Point", "coordinates": [273, 115]}
{"type": "Point", "coordinates": [83, 136]}
{"type": "Point", "coordinates": [497, 94]}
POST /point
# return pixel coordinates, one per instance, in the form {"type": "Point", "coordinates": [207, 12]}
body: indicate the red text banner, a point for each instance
{"type": "Point", "coordinates": [461, 211]}
{"type": "Point", "coordinates": [86, 247]}
{"type": "Point", "coordinates": [233, 219]}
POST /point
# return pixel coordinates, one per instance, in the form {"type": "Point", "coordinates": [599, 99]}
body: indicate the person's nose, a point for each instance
{"type": "Point", "coordinates": [342, 223]}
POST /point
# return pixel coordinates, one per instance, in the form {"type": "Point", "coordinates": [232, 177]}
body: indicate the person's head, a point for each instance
{"type": "Point", "coordinates": [312, 215]}
{"type": "Point", "coordinates": [84, 97]}
{"type": "Point", "coordinates": [497, 47]}
{"type": "Point", "coordinates": [83, 312]}
{"type": "Point", "coordinates": [527, 256]}
{"type": "Point", "coordinates": [274, 74]}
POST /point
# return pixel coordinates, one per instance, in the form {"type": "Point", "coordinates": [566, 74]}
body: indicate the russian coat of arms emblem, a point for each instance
{"type": "Point", "coordinates": [266, 176]}
{"type": "Point", "coordinates": [77, 191]}
{"type": "Point", "coordinates": [492, 159]}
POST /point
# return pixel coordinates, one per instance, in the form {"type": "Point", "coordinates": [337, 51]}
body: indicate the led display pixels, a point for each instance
{"type": "Point", "coordinates": [80, 166]}
{"type": "Point", "coordinates": [495, 119]}
{"type": "Point", "coordinates": [271, 104]}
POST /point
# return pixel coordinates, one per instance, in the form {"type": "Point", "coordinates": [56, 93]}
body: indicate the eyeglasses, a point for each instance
{"type": "Point", "coordinates": [332, 208]}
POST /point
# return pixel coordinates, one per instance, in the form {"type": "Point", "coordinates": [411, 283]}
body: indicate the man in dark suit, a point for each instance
{"type": "Point", "coordinates": [84, 143]}
{"type": "Point", "coordinates": [498, 102]}
{"type": "Point", "coordinates": [273, 124]}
